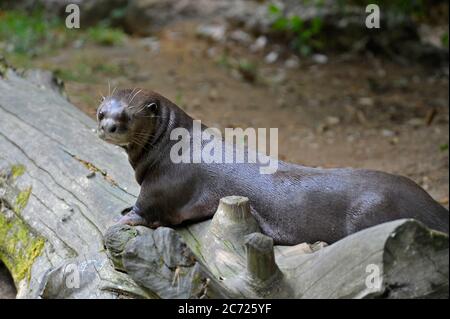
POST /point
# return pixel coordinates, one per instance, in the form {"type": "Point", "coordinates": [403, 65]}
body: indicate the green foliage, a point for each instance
{"type": "Point", "coordinates": [105, 35]}
{"type": "Point", "coordinates": [405, 7]}
{"type": "Point", "coordinates": [306, 35]}
{"type": "Point", "coordinates": [247, 65]}
{"type": "Point", "coordinates": [248, 70]}
{"type": "Point", "coordinates": [22, 33]}
{"type": "Point", "coordinates": [443, 147]}
{"type": "Point", "coordinates": [27, 35]}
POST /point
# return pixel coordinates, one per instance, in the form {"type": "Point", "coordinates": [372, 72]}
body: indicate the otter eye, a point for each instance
{"type": "Point", "coordinates": [101, 115]}
{"type": "Point", "coordinates": [152, 107]}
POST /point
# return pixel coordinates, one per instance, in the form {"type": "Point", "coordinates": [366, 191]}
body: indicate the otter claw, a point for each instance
{"type": "Point", "coordinates": [132, 219]}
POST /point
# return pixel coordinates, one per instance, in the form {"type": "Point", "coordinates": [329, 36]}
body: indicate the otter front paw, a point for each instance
{"type": "Point", "coordinates": [133, 219]}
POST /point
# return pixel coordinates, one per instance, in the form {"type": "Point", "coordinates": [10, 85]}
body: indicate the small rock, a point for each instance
{"type": "Point", "coordinates": [351, 138]}
{"type": "Point", "coordinates": [425, 183]}
{"type": "Point", "coordinates": [90, 175]}
{"type": "Point", "coordinates": [150, 43]}
{"type": "Point", "coordinates": [259, 44]}
{"type": "Point", "coordinates": [292, 63]}
{"type": "Point", "coordinates": [320, 58]}
{"type": "Point", "coordinates": [416, 122]}
{"type": "Point", "coordinates": [272, 57]}
{"type": "Point", "coordinates": [365, 101]}
{"type": "Point", "coordinates": [213, 94]}
{"type": "Point", "coordinates": [333, 120]}
{"type": "Point", "coordinates": [241, 37]}
{"type": "Point", "coordinates": [212, 32]}
{"type": "Point", "coordinates": [78, 44]}
{"type": "Point", "coordinates": [387, 133]}
{"type": "Point", "coordinates": [432, 35]}
{"type": "Point", "coordinates": [394, 140]}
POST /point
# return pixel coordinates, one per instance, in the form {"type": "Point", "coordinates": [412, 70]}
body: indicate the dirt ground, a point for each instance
{"type": "Point", "coordinates": [353, 111]}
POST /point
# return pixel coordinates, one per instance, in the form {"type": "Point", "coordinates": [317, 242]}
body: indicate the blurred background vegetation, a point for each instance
{"type": "Point", "coordinates": [31, 28]}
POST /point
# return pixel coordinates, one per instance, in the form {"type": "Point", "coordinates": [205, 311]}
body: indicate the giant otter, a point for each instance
{"type": "Point", "coordinates": [296, 204]}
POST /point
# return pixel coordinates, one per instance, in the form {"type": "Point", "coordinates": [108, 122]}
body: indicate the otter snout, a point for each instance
{"type": "Point", "coordinates": [108, 126]}
{"type": "Point", "coordinates": [113, 122]}
{"type": "Point", "coordinates": [113, 131]}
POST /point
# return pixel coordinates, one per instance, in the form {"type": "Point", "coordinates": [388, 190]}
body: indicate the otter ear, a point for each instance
{"type": "Point", "coordinates": [153, 107]}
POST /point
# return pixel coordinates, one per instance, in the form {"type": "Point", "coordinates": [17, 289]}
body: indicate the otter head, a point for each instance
{"type": "Point", "coordinates": [127, 117]}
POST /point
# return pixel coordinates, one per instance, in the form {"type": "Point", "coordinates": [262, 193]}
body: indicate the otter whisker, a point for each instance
{"type": "Point", "coordinates": [101, 95]}
{"type": "Point", "coordinates": [142, 107]}
{"type": "Point", "coordinates": [142, 133]}
{"type": "Point", "coordinates": [143, 137]}
{"type": "Point", "coordinates": [140, 143]}
{"type": "Point", "coordinates": [131, 101]}
{"type": "Point", "coordinates": [152, 116]}
{"type": "Point", "coordinates": [128, 98]}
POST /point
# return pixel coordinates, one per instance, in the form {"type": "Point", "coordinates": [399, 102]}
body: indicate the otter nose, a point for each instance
{"type": "Point", "coordinates": [109, 127]}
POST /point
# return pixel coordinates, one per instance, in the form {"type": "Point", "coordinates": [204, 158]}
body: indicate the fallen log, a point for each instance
{"type": "Point", "coordinates": [62, 188]}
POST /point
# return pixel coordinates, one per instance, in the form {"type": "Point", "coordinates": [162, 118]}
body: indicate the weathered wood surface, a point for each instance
{"type": "Point", "coordinates": [54, 209]}
{"type": "Point", "coordinates": [61, 189]}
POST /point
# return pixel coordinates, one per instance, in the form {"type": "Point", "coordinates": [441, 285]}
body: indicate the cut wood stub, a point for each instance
{"type": "Point", "coordinates": [233, 220]}
{"type": "Point", "coordinates": [261, 265]}
{"type": "Point", "coordinates": [236, 208]}
{"type": "Point", "coordinates": [223, 242]}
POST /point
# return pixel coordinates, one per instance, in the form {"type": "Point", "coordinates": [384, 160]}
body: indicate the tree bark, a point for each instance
{"type": "Point", "coordinates": [61, 190]}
